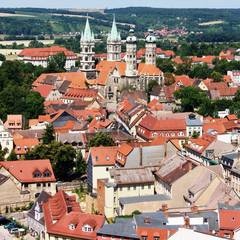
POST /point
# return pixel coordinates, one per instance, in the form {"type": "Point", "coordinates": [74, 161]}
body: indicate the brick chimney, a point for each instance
{"type": "Point", "coordinates": [186, 222]}
{"type": "Point", "coordinates": [165, 209]}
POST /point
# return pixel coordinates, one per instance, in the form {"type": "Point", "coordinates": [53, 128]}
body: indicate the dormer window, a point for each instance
{"type": "Point", "coordinates": [87, 228]}
{"type": "Point", "coordinates": [37, 174]}
{"type": "Point", "coordinates": [47, 173]}
{"type": "Point", "coordinates": [72, 226]}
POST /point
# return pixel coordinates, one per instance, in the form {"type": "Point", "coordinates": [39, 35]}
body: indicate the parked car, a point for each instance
{"type": "Point", "coordinates": [13, 230]}
{"type": "Point", "coordinates": [10, 225]}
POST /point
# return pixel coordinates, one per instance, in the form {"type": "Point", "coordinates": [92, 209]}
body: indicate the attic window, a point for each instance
{"type": "Point", "coordinates": [107, 158]}
{"type": "Point", "coordinates": [87, 228]}
{"type": "Point", "coordinates": [47, 173]}
{"type": "Point", "coordinates": [72, 226]}
{"type": "Point", "coordinates": [37, 173]}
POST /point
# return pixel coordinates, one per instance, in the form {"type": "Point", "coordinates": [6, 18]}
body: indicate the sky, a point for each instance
{"type": "Point", "coordinates": [121, 3]}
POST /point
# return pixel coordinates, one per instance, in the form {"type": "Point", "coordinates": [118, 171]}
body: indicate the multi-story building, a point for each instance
{"type": "Point", "coordinates": [22, 181]}
{"type": "Point", "coordinates": [41, 56]}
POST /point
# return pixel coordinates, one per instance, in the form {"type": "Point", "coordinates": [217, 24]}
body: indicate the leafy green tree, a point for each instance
{"type": "Point", "coordinates": [12, 156]}
{"type": "Point", "coordinates": [36, 44]}
{"type": "Point", "coordinates": [3, 153]}
{"type": "Point", "coordinates": [201, 71]}
{"type": "Point", "coordinates": [169, 79]}
{"type": "Point", "coordinates": [191, 98]}
{"type": "Point", "coordinates": [56, 63]}
{"type": "Point", "coordinates": [151, 85]}
{"type": "Point", "coordinates": [61, 156]}
{"type": "Point", "coordinates": [81, 164]}
{"type": "Point", "coordinates": [216, 76]}
{"type": "Point", "coordinates": [101, 139]}
{"type": "Point", "coordinates": [49, 134]}
{"type": "Point", "coordinates": [2, 57]}
{"type": "Point", "coordinates": [183, 69]}
{"type": "Point", "coordinates": [165, 65]}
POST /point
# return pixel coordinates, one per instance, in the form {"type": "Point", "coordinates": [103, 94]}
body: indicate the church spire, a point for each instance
{"type": "Point", "coordinates": [114, 35]}
{"type": "Point", "coordinates": [87, 35]}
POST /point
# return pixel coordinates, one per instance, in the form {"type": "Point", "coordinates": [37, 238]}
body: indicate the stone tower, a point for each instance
{"type": "Point", "coordinates": [87, 43]}
{"type": "Point", "coordinates": [150, 54]}
{"type": "Point", "coordinates": [114, 44]}
{"type": "Point", "coordinates": [131, 55]}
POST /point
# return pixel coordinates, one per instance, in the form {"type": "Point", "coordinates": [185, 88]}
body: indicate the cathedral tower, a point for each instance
{"type": "Point", "coordinates": [87, 43]}
{"type": "Point", "coordinates": [114, 44]}
{"type": "Point", "coordinates": [131, 55]}
{"type": "Point", "coordinates": [150, 54]}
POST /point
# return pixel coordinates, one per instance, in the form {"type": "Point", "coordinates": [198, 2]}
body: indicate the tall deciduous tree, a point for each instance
{"type": "Point", "coordinates": [101, 139]}
{"type": "Point", "coordinates": [49, 134]}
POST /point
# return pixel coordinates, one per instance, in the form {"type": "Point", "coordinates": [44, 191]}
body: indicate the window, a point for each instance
{"type": "Point", "coordinates": [144, 237]}
{"type": "Point", "coordinates": [37, 173]}
{"type": "Point", "coordinates": [142, 186]}
{"type": "Point", "coordinates": [120, 188]}
{"type": "Point", "coordinates": [134, 188]}
{"type": "Point", "coordinates": [129, 188]}
{"type": "Point", "coordinates": [149, 186]}
{"type": "Point", "coordinates": [25, 185]}
{"type": "Point", "coordinates": [156, 238]}
{"type": "Point", "coordinates": [47, 173]}
{"type": "Point", "coordinates": [44, 184]}
{"type": "Point", "coordinates": [38, 184]}
{"type": "Point", "coordinates": [49, 184]}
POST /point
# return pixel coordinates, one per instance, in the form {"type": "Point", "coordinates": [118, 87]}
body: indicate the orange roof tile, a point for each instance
{"type": "Point", "coordinates": [23, 145]}
{"type": "Point", "coordinates": [148, 69]}
{"type": "Point", "coordinates": [23, 170]}
{"type": "Point", "coordinates": [229, 219]}
{"type": "Point", "coordinates": [125, 149]}
{"type": "Point", "coordinates": [155, 105]}
{"type": "Point", "coordinates": [76, 79]}
{"type": "Point", "coordinates": [46, 52]}
{"type": "Point", "coordinates": [44, 90]}
{"type": "Point", "coordinates": [103, 156]}
{"type": "Point", "coordinates": [204, 59]}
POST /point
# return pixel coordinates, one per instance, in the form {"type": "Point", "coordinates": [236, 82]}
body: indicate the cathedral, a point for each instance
{"type": "Point", "coordinates": [115, 74]}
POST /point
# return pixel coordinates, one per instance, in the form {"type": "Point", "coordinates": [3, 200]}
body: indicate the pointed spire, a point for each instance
{"type": "Point", "coordinates": [87, 35]}
{"type": "Point", "coordinates": [114, 36]}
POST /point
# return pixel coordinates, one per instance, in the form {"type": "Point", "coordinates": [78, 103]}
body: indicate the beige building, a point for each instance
{"type": "Point", "coordinates": [122, 184]}
{"type": "Point", "coordinates": [203, 187]}
{"type": "Point", "coordinates": [22, 181]}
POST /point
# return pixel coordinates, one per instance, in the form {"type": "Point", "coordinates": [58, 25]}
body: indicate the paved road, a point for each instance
{"type": "Point", "coordinates": [5, 235]}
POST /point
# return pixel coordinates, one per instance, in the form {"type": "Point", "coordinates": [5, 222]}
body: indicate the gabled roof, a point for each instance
{"type": "Point", "coordinates": [148, 69]}
{"type": "Point", "coordinates": [46, 52]}
{"type": "Point", "coordinates": [23, 170]}
{"type": "Point", "coordinates": [103, 156]}
{"type": "Point", "coordinates": [62, 211]}
{"type": "Point", "coordinates": [154, 124]}
{"type": "Point", "coordinates": [23, 145]}
{"type": "Point", "coordinates": [76, 79]}
{"type": "Point", "coordinates": [44, 90]}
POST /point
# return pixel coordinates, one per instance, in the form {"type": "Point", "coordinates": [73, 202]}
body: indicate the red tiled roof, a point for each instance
{"type": "Point", "coordinates": [44, 90]}
{"type": "Point", "coordinates": [185, 80]}
{"type": "Point", "coordinates": [99, 124]}
{"type": "Point", "coordinates": [229, 219]}
{"type": "Point", "coordinates": [103, 156]}
{"type": "Point", "coordinates": [46, 52]}
{"type": "Point", "coordinates": [75, 93]}
{"type": "Point", "coordinates": [148, 69]}
{"type": "Point", "coordinates": [23, 170]}
{"type": "Point", "coordinates": [76, 79]}
{"type": "Point", "coordinates": [204, 59]}
{"type": "Point", "coordinates": [125, 149]}
{"type": "Point", "coordinates": [177, 60]}
{"type": "Point", "coordinates": [154, 124]}
{"type": "Point", "coordinates": [62, 212]}
{"type": "Point", "coordinates": [23, 145]}
{"type": "Point", "coordinates": [231, 117]}
{"type": "Point", "coordinates": [155, 105]}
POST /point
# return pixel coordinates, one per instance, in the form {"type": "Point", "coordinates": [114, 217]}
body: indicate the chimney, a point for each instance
{"type": "Point", "coordinates": [141, 156]}
{"type": "Point", "coordinates": [189, 166]}
{"type": "Point", "coordinates": [186, 222]}
{"type": "Point", "coordinates": [165, 149]}
{"type": "Point", "coordinates": [165, 209]}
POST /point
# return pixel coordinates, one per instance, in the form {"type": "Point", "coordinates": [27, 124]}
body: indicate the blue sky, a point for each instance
{"type": "Point", "coordinates": [121, 3]}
